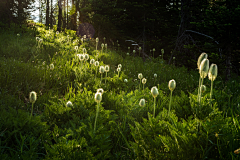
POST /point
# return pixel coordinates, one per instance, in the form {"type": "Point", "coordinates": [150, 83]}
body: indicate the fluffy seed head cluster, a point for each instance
{"type": "Point", "coordinates": [76, 47]}
{"type": "Point", "coordinates": [125, 80]}
{"type": "Point", "coordinates": [119, 66]}
{"type": "Point", "coordinates": [32, 97]}
{"type": "Point", "coordinates": [142, 102]}
{"type": "Point", "coordinates": [57, 32]}
{"type": "Point", "coordinates": [201, 58]}
{"type": "Point", "coordinates": [203, 88]}
{"type": "Point", "coordinates": [153, 49]}
{"type": "Point", "coordinates": [51, 66]}
{"type": "Point", "coordinates": [140, 76]}
{"type": "Point", "coordinates": [144, 80]}
{"type": "Point", "coordinates": [155, 75]}
{"type": "Point", "coordinates": [213, 71]}
{"type": "Point", "coordinates": [96, 63]}
{"type": "Point", "coordinates": [100, 90]}
{"type": "Point", "coordinates": [69, 104]}
{"type": "Point", "coordinates": [172, 84]}
{"type": "Point", "coordinates": [101, 69]}
{"type": "Point", "coordinates": [106, 45]}
{"type": "Point", "coordinates": [98, 97]}
{"type": "Point", "coordinates": [86, 57]}
{"type": "Point", "coordinates": [107, 68]}
{"type": "Point", "coordinates": [97, 40]}
{"type": "Point", "coordinates": [92, 61]}
{"type": "Point", "coordinates": [84, 36]}
{"type": "Point", "coordinates": [204, 67]}
{"type": "Point", "coordinates": [102, 45]}
{"type": "Point", "coordinates": [118, 69]}
{"type": "Point", "coordinates": [18, 35]}
{"type": "Point", "coordinates": [162, 51]}
{"type": "Point", "coordinates": [81, 57]}
{"type": "Point", "coordinates": [154, 91]}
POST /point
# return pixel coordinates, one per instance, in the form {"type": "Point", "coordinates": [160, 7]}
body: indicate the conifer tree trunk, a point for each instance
{"type": "Point", "coordinates": [59, 15]}
{"type": "Point", "coordinates": [47, 13]}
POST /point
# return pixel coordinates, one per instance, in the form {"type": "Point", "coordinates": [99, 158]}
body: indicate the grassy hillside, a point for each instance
{"type": "Point", "coordinates": [66, 121]}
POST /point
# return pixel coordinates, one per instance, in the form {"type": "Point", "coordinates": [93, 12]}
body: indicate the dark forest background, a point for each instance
{"type": "Point", "coordinates": [183, 28]}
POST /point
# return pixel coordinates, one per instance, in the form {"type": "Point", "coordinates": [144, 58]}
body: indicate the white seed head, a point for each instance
{"type": "Point", "coordinates": [86, 57]}
{"type": "Point", "coordinates": [213, 71]}
{"type": "Point", "coordinates": [144, 80]}
{"type": "Point", "coordinates": [153, 49]}
{"type": "Point", "coordinates": [125, 80]}
{"type": "Point", "coordinates": [18, 35]}
{"type": "Point", "coordinates": [98, 97]}
{"type": "Point", "coordinates": [173, 57]}
{"type": "Point", "coordinates": [92, 61]}
{"type": "Point", "coordinates": [203, 88]}
{"type": "Point", "coordinates": [204, 67]}
{"type": "Point", "coordinates": [201, 58]}
{"type": "Point", "coordinates": [84, 36]}
{"type": "Point", "coordinates": [119, 66]}
{"type": "Point", "coordinates": [140, 76]}
{"type": "Point", "coordinates": [154, 91]}
{"type": "Point", "coordinates": [84, 51]}
{"type": "Point", "coordinates": [118, 69]}
{"type": "Point", "coordinates": [96, 63]}
{"type": "Point", "coordinates": [81, 57]}
{"type": "Point", "coordinates": [140, 48]}
{"type": "Point", "coordinates": [97, 40]}
{"type": "Point", "coordinates": [32, 97]}
{"type": "Point", "coordinates": [172, 84]}
{"type": "Point", "coordinates": [101, 69]}
{"type": "Point", "coordinates": [134, 51]}
{"type": "Point", "coordinates": [57, 32]}
{"type": "Point", "coordinates": [51, 66]}
{"type": "Point", "coordinates": [142, 102]}
{"type": "Point", "coordinates": [107, 68]}
{"type": "Point", "coordinates": [162, 51]}
{"type": "Point", "coordinates": [102, 45]}
{"type": "Point", "coordinates": [155, 75]}
{"type": "Point", "coordinates": [106, 45]}
{"type": "Point", "coordinates": [76, 47]}
{"type": "Point", "coordinates": [100, 90]}
{"type": "Point", "coordinates": [69, 104]}
{"type": "Point", "coordinates": [127, 54]}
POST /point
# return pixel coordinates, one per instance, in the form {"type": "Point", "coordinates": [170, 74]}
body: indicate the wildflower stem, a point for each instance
{"type": "Point", "coordinates": [101, 79]}
{"type": "Point", "coordinates": [154, 106]}
{"type": "Point", "coordinates": [199, 88]}
{"type": "Point", "coordinates": [170, 103]}
{"type": "Point", "coordinates": [105, 77]}
{"type": "Point", "coordinates": [31, 111]}
{"type": "Point", "coordinates": [211, 92]}
{"type": "Point", "coordinates": [200, 91]}
{"type": "Point", "coordinates": [140, 85]}
{"type": "Point", "coordinates": [96, 117]}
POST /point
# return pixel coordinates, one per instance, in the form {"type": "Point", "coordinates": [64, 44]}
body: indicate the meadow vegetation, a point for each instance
{"type": "Point", "coordinates": [70, 118]}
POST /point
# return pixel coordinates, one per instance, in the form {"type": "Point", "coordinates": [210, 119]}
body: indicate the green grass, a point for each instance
{"type": "Point", "coordinates": [124, 129]}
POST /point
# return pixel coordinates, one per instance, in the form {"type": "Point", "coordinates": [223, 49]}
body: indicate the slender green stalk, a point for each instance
{"type": "Point", "coordinates": [199, 88]}
{"type": "Point", "coordinates": [31, 111]}
{"type": "Point", "coordinates": [96, 73]}
{"type": "Point", "coordinates": [170, 103]}
{"type": "Point", "coordinates": [143, 86]}
{"type": "Point", "coordinates": [118, 74]}
{"type": "Point", "coordinates": [211, 92]}
{"type": "Point", "coordinates": [153, 54]}
{"type": "Point", "coordinates": [154, 107]}
{"type": "Point", "coordinates": [101, 79]}
{"type": "Point", "coordinates": [105, 77]}
{"type": "Point", "coordinates": [200, 91]}
{"type": "Point", "coordinates": [140, 85]}
{"type": "Point", "coordinates": [96, 117]}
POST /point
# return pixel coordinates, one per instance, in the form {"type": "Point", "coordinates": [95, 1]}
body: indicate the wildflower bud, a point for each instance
{"type": "Point", "coordinates": [118, 69]}
{"type": "Point", "coordinates": [173, 57]}
{"type": "Point", "coordinates": [118, 45]}
{"type": "Point", "coordinates": [96, 63]}
{"type": "Point", "coordinates": [106, 45]}
{"type": "Point", "coordinates": [125, 80]}
{"type": "Point", "coordinates": [18, 35]}
{"type": "Point", "coordinates": [69, 104]}
{"type": "Point", "coordinates": [142, 102]}
{"type": "Point", "coordinates": [101, 69]}
{"type": "Point", "coordinates": [204, 67]}
{"type": "Point", "coordinates": [57, 32]}
{"type": "Point", "coordinates": [32, 97]}
{"type": "Point", "coordinates": [154, 91]}
{"type": "Point", "coordinates": [128, 47]}
{"type": "Point", "coordinates": [140, 48]}
{"type": "Point", "coordinates": [155, 75]}
{"type": "Point", "coordinates": [84, 36]}
{"type": "Point", "coordinates": [76, 47]}
{"type": "Point", "coordinates": [127, 54]}
{"type": "Point", "coordinates": [86, 57]}
{"type": "Point", "coordinates": [92, 61]}
{"type": "Point", "coordinates": [84, 51]}
{"type": "Point", "coordinates": [51, 66]}
{"type": "Point", "coordinates": [153, 49]}
{"type": "Point", "coordinates": [134, 51]}
{"type": "Point", "coordinates": [162, 51]}
{"type": "Point", "coordinates": [201, 58]}
{"type": "Point", "coordinates": [98, 97]}
{"type": "Point", "coordinates": [107, 68]}
{"type": "Point", "coordinates": [172, 84]}
{"type": "Point", "coordinates": [140, 76]}
{"type": "Point", "coordinates": [213, 71]}
{"type": "Point", "coordinates": [102, 45]}
{"type": "Point", "coordinates": [81, 57]}
{"type": "Point", "coordinates": [144, 80]}
{"type": "Point", "coordinates": [203, 88]}
{"type": "Point", "coordinates": [100, 90]}
{"type": "Point", "coordinates": [97, 40]}
{"type": "Point", "coordinates": [119, 66]}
